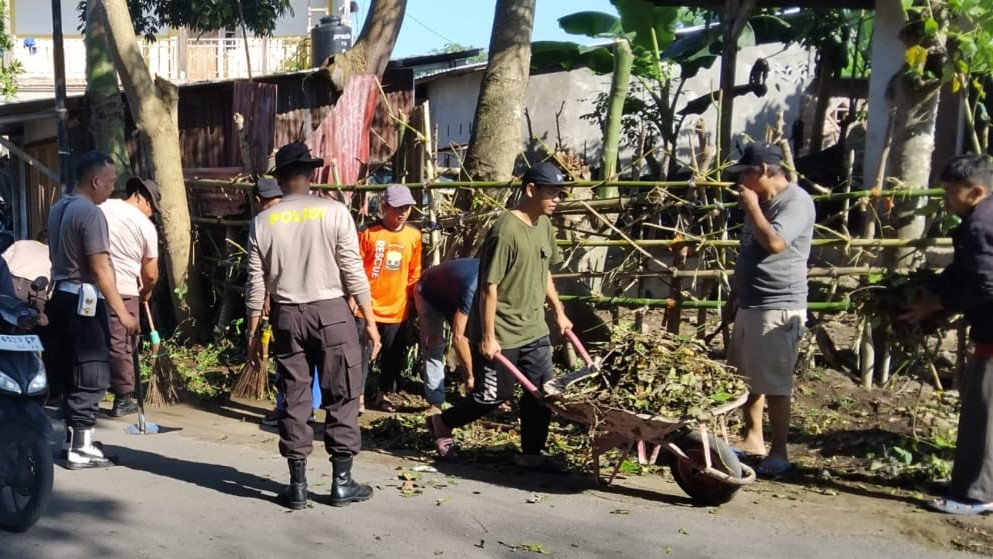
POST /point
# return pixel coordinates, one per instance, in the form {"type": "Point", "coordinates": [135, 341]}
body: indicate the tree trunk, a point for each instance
{"type": "Point", "coordinates": [623, 61]}
{"type": "Point", "coordinates": [496, 131]}
{"type": "Point", "coordinates": [916, 111]}
{"type": "Point", "coordinates": [595, 259]}
{"type": "Point", "coordinates": [913, 94]}
{"type": "Point", "coordinates": [371, 52]}
{"type": "Point", "coordinates": [106, 108]}
{"type": "Point", "coordinates": [154, 106]}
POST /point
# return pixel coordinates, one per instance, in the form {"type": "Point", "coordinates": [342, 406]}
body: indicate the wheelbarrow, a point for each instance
{"type": "Point", "coordinates": [701, 460]}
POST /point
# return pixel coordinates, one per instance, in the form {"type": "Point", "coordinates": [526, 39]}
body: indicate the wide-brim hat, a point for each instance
{"type": "Point", "coordinates": [293, 155]}
{"type": "Point", "coordinates": [150, 187]}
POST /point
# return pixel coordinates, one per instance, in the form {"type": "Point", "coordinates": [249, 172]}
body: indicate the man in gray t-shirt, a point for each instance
{"type": "Point", "coordinates": [77, 340]}
{"type": "Point", "coordinates": [770, 279]}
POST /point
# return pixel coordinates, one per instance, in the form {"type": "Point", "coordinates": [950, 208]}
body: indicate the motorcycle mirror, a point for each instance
{"type": "Point", "coordinates": [39, 284]}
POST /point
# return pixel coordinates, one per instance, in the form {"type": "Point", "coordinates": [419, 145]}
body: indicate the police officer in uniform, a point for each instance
{"type": "Point", "coordinates": [304, 250]}
{"type": "Point", "coordinates": [78, 337]}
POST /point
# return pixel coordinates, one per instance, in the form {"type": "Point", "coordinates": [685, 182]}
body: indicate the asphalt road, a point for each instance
{"type": "Point", "coordinates": [199, 492]}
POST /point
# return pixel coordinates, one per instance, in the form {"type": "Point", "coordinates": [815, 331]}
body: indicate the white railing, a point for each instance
{"type": "Point", "coordinates": [206, 59]}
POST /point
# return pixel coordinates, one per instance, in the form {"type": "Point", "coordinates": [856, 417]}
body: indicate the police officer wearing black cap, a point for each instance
{"type": "Point", "coordinates": [305, 251]}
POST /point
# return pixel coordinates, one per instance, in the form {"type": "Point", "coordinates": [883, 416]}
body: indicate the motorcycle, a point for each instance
{"type": "Point", "coordinates": [26, 462]}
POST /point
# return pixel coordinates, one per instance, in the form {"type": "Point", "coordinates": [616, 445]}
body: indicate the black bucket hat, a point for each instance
{"type": "Point", "coordinates": [294, 155]}
{"type": "Point", "coordinates": [150, 187]}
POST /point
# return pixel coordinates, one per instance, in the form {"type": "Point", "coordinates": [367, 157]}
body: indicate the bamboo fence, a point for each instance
{"type": "Point", "coordinates": [701, 225]}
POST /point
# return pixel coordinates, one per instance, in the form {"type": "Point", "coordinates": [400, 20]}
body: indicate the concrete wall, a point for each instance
{"type": "Point", "coordinates": [790, 72]}
{"type": "Point", "coordinates": [572, 95]}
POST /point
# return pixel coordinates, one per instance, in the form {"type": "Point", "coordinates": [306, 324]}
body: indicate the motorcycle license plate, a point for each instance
{"type": "Point", "coordinates": [20, 343]}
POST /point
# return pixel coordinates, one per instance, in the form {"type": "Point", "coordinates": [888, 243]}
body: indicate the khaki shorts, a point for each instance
{"type": "Point", "coordinates": [764, 348]}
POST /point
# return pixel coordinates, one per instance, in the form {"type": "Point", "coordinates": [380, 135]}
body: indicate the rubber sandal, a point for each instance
{"type": "Point", "coordinates": [744, 455]}
{"type": "Point", "coordinates": [948, 505]}
{"type": "Point", "coordinates": [383, 404]}
{"type": "Point", "coordinates": [539, 464]}
{"type": "Point", "coordinates": [446, 447]}
{"type": "Point", "coordinates": [773, 467]}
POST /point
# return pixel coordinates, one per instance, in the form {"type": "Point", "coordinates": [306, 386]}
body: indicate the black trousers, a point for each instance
{"type": "Point", "coordinates": [392, 356]}
{"type": "Point", "coordinates": [495, 385]}
{"type": "Point", "coordinates": [77, 352]}
{"type": "Point", "coordinates": [972, 470]}
{"type": "Point", "coordinates": [322, 335]}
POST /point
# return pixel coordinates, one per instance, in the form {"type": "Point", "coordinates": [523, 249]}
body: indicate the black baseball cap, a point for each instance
{"type": "Point", "coordinates": [295, 154]}
{"type": "Point", "coordinates": [267, 188]}
{"type": "Point", "coordinates": [150, 187]}
{"type": "Point", "coordinates": [543, 174]}
{"type": "Point", "coordinates": [757, 153]}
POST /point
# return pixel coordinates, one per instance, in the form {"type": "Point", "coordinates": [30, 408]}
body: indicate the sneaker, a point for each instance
{"type": "Point", "coordinates": [271, 419]}
{"type": "Point", "coordinates": [123, 405]}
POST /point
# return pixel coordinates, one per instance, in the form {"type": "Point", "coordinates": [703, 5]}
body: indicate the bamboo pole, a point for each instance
{"type": "Point", "coordinates": [478, 185]}
{"type": "Point", "coordinates": [870, 243]}
{"type": "Point", "coordinates": [630, 302]}
{"type": "Point", "coordinates": [697, 274]}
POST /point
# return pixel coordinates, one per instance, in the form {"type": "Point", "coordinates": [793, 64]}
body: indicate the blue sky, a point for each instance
{"type": "Point", "coordinates": [430, 24]}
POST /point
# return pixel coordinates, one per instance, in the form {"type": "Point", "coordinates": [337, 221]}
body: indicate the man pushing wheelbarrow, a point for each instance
{"type": "Point", "coordinates": [508, 317]}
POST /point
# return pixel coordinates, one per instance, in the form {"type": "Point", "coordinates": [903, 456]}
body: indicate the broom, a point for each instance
{"type": "Point", "coordinates": [253, 381]}
{"type": "Point", "coordinates": [165, 383]}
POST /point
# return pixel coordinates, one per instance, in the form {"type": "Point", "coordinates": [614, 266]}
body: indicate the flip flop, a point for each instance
{"type": "Point", "coordinates": [745, 455]}
{"type": "Point", "coordinates": [949, 505]}
{"type": "Point", "coordinates": [774, 467]}
{"type": "Point", "coordinates": [446, 447]}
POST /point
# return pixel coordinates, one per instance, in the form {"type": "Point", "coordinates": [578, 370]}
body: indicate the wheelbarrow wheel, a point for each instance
{"type": "Point", "coordinates": [689, 475]}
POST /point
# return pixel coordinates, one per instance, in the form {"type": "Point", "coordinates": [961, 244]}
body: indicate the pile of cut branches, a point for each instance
{"type": "Point", "coordinates": [660, 374]}
{"type": "Point", "coordinates": [889, 295]}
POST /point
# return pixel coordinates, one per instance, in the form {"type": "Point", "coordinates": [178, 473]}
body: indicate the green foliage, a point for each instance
{"type": "Point", "coordinates": [300, 59]}
{"type": "Point", "coordinates": [201, 16]}
{"type": "Point", "coordinates": [458, 47]}
{"type": "Point", "coordinates": [658, 373]}
{"type": "Point", "coordinates": [8, 70]}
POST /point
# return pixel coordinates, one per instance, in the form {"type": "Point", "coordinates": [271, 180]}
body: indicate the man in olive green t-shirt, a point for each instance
{"type": "Point", "coordinates": [508, 316]}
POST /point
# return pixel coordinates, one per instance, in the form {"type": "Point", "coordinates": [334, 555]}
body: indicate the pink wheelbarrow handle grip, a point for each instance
{"type": "Point", "coordinates": [525, 382]}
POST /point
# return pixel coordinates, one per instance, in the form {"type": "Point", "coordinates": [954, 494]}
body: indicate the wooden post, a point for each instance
{"type": "Point", "coordinates": [736, 13]}
{"type": "Point", "coordinates": [61, 113]}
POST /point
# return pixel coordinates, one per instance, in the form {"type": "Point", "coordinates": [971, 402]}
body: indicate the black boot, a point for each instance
{"type": "Point", "coordinates": [344, 489]}
{"type": "Point", "coordinates": [295, 496]}
{"type": "Point", "coordinates": [123, 405]}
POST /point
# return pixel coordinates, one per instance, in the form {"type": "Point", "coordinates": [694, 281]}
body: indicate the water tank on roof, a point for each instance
{"type": "Point", "coordinates": [329, 37]}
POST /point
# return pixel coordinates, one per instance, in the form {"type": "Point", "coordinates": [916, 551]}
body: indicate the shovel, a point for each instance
{"type": "Point", "coordinates": [142, 427]}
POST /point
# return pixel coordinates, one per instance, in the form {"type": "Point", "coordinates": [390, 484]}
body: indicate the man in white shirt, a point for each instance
{"type": "Point", "coordinates": [134, 252]}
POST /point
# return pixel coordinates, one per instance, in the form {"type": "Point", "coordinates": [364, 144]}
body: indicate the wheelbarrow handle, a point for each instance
{"type": "Point", "coordinates": [527, 384]}
{"type": "Point", "coordinates": [579, 347]}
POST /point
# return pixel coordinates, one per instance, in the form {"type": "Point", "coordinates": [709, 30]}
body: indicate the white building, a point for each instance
{"type": "Point", "coordinates": [175, 54]}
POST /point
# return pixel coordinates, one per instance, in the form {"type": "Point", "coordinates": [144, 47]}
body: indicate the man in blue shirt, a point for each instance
{"type": "Point", "coordinates": [445, 293]}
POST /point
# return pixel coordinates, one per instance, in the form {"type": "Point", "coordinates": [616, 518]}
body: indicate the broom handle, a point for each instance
{"type": "Point", "coordinates": [154, 334]}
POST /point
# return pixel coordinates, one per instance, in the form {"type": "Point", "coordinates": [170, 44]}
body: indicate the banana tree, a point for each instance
{"type": "Point", "coordinates": [659, 63]}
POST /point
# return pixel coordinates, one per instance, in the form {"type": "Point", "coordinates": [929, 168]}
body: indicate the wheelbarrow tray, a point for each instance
{"type": "Point", "coordinates": [632, 425]}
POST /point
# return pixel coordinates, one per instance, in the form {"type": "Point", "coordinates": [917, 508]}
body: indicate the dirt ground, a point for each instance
{"type": "Point", "coordinates": [860, 456]}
